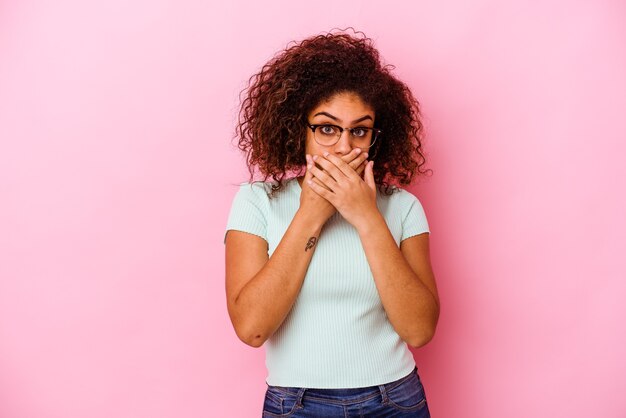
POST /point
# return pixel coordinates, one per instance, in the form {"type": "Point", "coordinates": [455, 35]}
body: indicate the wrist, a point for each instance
{"type": "Point", "coordinates": [310, 219]}
{"type": "Point", "coordinates": [370, 223]}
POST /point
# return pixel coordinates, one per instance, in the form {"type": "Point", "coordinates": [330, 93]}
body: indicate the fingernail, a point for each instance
{"type": "Point", "coordinates": [310, 166]}
{"type": "Point", "coordinates": [326, 153]}
{"type": "Point", "coordinates": [358, 151]}
{"type": "Point", "coordinates": [315, 158]}
{"type": "Point", "coordinates": [365, 155]}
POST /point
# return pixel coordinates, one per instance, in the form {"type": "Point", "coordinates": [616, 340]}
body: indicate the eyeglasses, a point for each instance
{"type": "Point", "coordinates": [327, 134]}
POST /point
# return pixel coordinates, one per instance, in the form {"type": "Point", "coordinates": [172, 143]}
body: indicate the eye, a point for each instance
{"type": "Point", "coordinates": [327, 129]}
{"type": "Point", "coordinates": [359, 132]}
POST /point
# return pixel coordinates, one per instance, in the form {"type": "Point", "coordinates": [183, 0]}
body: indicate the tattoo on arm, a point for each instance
{"type": "Point", "coordinates": [310, 244]}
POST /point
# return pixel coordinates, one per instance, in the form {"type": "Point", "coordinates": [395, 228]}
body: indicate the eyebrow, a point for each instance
{"type": "Point", "coordinates": [339, 120]}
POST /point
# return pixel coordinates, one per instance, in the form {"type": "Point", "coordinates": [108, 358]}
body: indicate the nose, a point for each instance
{"type": "Point", "coordinates": [343, 146]}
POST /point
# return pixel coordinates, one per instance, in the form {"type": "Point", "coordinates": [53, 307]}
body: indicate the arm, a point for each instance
{"type": "Point", "coordinates": [262, 290]}
{"type": "Point", "coordinates": [404, 279]}
{"type": "Point", "coordinates": [403, 276]}
{"type": "Point", "coordinates": [258, 307]}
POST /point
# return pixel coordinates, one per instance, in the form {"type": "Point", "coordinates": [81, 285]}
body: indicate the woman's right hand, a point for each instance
{"type": "Point", "coordinates": [314, 204]}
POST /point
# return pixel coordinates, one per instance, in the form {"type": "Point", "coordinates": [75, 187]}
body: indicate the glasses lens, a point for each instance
{"type": "Point", "coordinates": [326, 134]}
{"type": "Point", "coordinates": [329, 135]}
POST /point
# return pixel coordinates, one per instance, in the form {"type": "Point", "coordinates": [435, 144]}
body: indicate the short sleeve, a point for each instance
{"type": "Point", "coordinates": [247, 212]}
{"type": "Point", "coordinates": [415, 222]}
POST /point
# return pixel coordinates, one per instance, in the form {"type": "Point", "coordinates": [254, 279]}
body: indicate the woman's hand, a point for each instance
{"type": "Point", "coordinates": [341, 186]}
{"type": "Point", "coordinates": [312, 202]}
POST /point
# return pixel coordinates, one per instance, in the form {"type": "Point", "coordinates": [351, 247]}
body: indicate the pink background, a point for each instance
{"type": "Point", "coordinates": [117, 173]}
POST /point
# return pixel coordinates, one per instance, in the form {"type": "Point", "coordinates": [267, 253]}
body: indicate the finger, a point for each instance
{"type": "Point", "coordinates": [358, 160]}
{"type": "Point", "coordinates": [352, 158]}
{"type": "Point", "coordinates": [352, 155]}
{"type": "Point", "coordinates": [326, 194]}
{"type": "Point", "coordinates": [369, 175]}
{"type": "Point", "coordinates": [338, 168]}
{"type": "Point", "coordinates": [309, 174]}
{"type": "Point", "coordinates": [324, 177]}
{"type": "Point", "coordinates": [361, 168]}
{"type": "Point", "coordinates": [318, 182]}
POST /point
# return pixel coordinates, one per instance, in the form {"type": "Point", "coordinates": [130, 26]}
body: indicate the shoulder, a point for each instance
{"type": "Point", "coordinates": [400, 197]}
{"type": "Point", "coordinates": [256, 186]}
{"type": "Point", "coordinates": [259, 189]}
{"type": "Point", "coordinates": [407, 207]}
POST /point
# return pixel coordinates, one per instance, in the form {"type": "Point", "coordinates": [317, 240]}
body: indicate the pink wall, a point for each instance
{"type": "Point", "coordinates": [117, 173]}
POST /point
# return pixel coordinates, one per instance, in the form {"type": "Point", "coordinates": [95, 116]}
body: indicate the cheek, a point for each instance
{"type": "Point", "coordinates": [311, 146]}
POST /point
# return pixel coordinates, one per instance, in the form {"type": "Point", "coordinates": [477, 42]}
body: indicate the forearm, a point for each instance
{"type": "Point", "coordinates": [410, 305]}
{"type": "Point", "coordinates": [268, 297]}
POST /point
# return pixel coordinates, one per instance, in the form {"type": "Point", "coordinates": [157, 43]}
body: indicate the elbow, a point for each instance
{"type": "Point", "coordinates": [245, 330]}
{"type": "Point", "coordinates": [254, 339]}
{"type": "Point", "coordinates": [425, 334]}
{"type": "Point", "coordinates": [421, 339]}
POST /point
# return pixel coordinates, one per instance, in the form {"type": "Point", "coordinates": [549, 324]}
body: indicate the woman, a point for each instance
{"type": "Point", "coordinates": [330, 270]}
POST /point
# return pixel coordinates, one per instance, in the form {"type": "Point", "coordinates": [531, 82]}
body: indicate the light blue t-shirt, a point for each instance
{"type": "Point", "coordinates": [337, 334]}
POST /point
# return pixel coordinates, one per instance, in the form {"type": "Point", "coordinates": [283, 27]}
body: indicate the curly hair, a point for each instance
{"type": "Point", "coordinates": [271, 128]}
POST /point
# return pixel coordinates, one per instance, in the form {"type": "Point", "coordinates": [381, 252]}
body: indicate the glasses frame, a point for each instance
{"type": "Point", "coordinates": [313, 127]}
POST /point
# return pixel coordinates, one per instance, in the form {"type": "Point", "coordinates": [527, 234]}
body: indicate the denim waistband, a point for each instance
{"type": "Point", "coordinates": [343, 394]}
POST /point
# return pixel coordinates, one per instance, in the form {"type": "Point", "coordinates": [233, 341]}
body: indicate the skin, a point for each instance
{"type": "Point", "coordinates": [261, 292]}
{"type": "Point", "coordinates": [342, 108]}
{"type": "Point", "coordinates": [403, 276]}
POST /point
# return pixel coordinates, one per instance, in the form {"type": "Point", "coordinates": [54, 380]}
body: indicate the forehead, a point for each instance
{"type": "Point", "coordinates": [344, 104]}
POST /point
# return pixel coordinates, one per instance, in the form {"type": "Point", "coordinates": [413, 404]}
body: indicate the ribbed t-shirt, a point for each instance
{"type": "Point", "coordinates": [337, 334]}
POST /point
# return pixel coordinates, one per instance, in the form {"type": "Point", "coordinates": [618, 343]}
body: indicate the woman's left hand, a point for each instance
{"type": "Point", "coordinates": [353, 197]}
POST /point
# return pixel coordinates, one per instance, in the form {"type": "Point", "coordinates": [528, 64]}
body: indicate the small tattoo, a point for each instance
{"type": "Point", "coordinates": [310, 244]}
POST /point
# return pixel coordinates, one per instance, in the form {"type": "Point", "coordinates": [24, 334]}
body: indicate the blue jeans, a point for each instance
{"type": "Point", "coordinates": [404, 397]}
